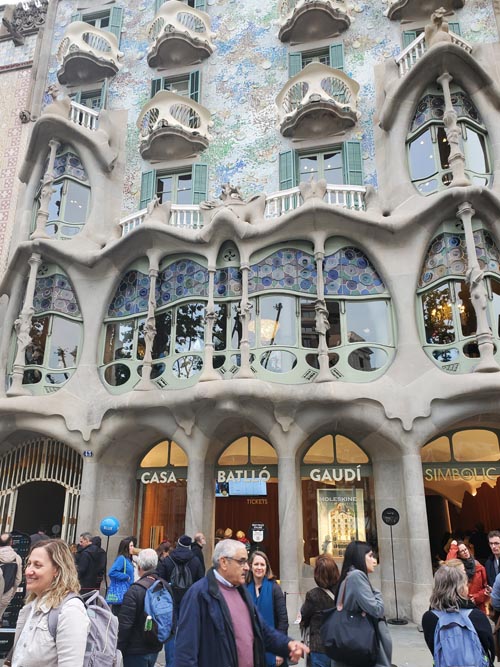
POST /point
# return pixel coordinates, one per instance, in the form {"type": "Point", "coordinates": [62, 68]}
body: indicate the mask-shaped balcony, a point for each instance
{"type": "Point", "coordinates": [413, 10]}
{"type": "Point", "coordinates": [180, 35]}
{"type": "Point", "coordinates": [173, 127]}
{"type": "Point", "coordinates": [312, 20]}
{"type": "Point", "coordinates": [87, 55]}
{"type": "Point", "coordinates": [318, 101]}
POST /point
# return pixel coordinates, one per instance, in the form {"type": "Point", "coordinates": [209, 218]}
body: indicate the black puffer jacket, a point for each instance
{"type": "Point", "coordinates": [182, 556]}
{"type": "Point", "coordinates": [131, 640]}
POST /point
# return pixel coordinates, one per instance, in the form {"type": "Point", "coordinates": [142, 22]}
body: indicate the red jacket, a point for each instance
{"type": "Point", "coordinates": [478, 583]}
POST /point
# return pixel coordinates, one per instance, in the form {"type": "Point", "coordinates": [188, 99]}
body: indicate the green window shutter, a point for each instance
{"type": "Point", "coordinates": [454, 26]}
{"type": "Point", "coordinates": [194, 86]}
{"type": "Point", "coordinates": [288, 170]}
{"type": "Point", "coordinates": [156, 85]}
{"type": "Point", "coordinates": [200, 182]}
{"type": "Point", "coordinates": [408, 37]}
{"type": "Point", "coordinates": [76, 17]}
{"type": "Point", "coordinates": [77, 97]}
{"type": "Point", "coordinates": [294, 64]}
{"type": "Point", "coordinates": [353, 163]}
{"type": "Point", "coordinates": [200, 4]}
{"type": "Point", "coordinates": [115, 22]}
{"type": "Point", "coordinates": [148, 186]}
{"type": "Point", "coordinates": [337, 56]}
{"type": "Point", "coordinates": [158, 4]}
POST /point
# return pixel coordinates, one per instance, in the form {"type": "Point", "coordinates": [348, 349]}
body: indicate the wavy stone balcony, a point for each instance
{"type": "Point", "coordinates": [417, 9]}
{"type": "Point", "coordinates": [312, 20]}
{"type": "Point", "coordinates": [173, 127]}
{"type": "Point", "coordinates": [418, 48]}
{"type": "Point", "coordinates": [87, 54]}
{"type": "Point", "coordinates": [318, 101]}
{"type": "Point", "coordinates": [181, 36]}
{"type": "Point", "coordinates": [190, 216]}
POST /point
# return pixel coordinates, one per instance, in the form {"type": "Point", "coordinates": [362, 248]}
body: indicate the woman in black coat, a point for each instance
{"type": "Point", "coordinates": [326, 576]}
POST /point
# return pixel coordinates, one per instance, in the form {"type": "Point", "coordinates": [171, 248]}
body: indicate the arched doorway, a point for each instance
{"type": "Point", "coordinates": [162, 480]}
{"type": "Point", "coordinates": [246, 495]}
{"type": "Point", "coordinates": [461, 470]}
{"type": "Point", "coordinates": [337, 497]}
{"type": "Point", "coordinates": [40, 484]}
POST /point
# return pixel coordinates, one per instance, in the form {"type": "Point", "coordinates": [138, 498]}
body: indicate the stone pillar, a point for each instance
{"type": "Point", "coordinates": [457, 158]}
{"type": "Point", "coordinates": [322, 323]}
{"type": "Point", "coordinates": [195, 495]}
{"type": "Point", "coordinates": [47, 191]}
{"type": "Point", "coordinates": [478, 295]}
{"type": "Point", "coordinates": [145, 383]}
{"type": "Point", "coordinates": [23, 327]}
{"type": "Point", "coordinates": [420, 564]}
{"type": "Point", "coordinates": [88, 496]}
{"type": "Point", "coordinates": [290, 538]}
{"type": "Point", "coordinates": [209, 373]}
{"type": "Point", "coordinates": [244, 315]}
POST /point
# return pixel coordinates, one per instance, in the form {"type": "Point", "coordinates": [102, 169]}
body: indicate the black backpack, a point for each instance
{"type": "Point", "coordinates": [9, 571]}
{"type": "Point", "coordinates": [181, 578]}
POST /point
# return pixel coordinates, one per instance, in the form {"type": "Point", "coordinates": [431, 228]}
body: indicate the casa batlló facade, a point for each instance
{"type": "Point", "coordinates": [251, 274]}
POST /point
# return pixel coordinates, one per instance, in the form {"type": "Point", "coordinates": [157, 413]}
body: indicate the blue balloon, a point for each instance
{"type": "Point", "coordinates": [109, 525]}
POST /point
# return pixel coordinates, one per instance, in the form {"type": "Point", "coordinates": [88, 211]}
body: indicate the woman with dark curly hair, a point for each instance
{"type": "Point", "coordinates": [326, 576]}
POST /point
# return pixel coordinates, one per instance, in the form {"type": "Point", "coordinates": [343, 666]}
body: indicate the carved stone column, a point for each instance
{"type": "Point", "coordinates": [478, 295]}
{"type": "Point", "coordinates": [209, 373]}
{"type": "Point", "coordinates": [47, 191]}
{"type": "Point", "coordinates": [146, 383]}
{"type": "Point", "coordinates": [322, 323]}
{"type": "Point", "coordinates": [23, 327]}
{"type": "Point", "coordinates": [244, 315]}
{"type": "Point", "coordinates": [457, 158]}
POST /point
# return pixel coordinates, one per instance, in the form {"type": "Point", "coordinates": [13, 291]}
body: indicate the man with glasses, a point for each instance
{"type": "Point", "coordinates": [219, 624]}
{"type": "Point", "coordinates": [492, 563]}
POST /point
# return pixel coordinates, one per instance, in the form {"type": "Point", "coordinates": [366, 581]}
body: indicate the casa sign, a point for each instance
{"type": "Point", "coordinates": [160, 477]}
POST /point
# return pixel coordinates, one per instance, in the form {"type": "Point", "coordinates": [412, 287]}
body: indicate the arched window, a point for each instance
{"type": "Point", "coordinates": [428, 147]}
{"type": "Point", "coordinates": [70, 199]}
{"type": "Point", "coordinates": [448, 318]}
{"type": "Point", "coordinates": [181, 294]}
{"type": "Point", "coordinates": [227, 297]}
{"type": "Point", "coordinates": [56, 330]}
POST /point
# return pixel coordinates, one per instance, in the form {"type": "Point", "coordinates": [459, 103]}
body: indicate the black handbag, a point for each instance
{"type": "Point", "coordinates": [349, 637]}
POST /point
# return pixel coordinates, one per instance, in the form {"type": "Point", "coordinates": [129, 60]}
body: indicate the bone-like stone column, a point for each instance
{"type": "Point", "coordinates": [47, 190]}
{"type": "Point", "coordinates": [457, 158]}
{"type": "Point", "coordinates": [478, 294]}
{"type": "Point", "coordinates": [209, 372]}
{"type": "Point", "coordinates": [88, 495]}
{"type": "Point", "coordinates": [195, 510]}
{"type": "Point", "coordinates": [322, 323]}
{"type": "Point", "coordinates": [244, 315]}
{"type": "Point", "coordinates": [23, 327]}
{"type": "Point", "coordinates": [146, 383]}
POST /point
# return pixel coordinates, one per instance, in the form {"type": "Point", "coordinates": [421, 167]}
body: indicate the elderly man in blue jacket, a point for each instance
{"type": "Point", "coordinates": [218, 623]}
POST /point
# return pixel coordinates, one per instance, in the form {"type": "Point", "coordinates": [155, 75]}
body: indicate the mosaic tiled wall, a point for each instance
{"type": "Point", "coordinates": [241, 80]}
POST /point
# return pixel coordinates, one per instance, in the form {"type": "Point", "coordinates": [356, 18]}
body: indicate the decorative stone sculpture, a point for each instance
{"type": "Point", "coordinates": [250, 210]}
{"type": "Point", "coordinates": [312, 189]}
{"type": "Point", "coordinates": [437, 32]}
{"type": "Point", "coordinates": [157, 212]}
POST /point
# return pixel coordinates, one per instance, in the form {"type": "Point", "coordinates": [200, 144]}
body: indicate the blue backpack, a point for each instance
{"type": "Point", "coordinates": [456, 642]}
{"type": "Point", "coordinates": [159, 611]}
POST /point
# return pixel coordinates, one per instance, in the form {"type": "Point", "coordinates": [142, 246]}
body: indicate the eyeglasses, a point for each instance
{"type": "Point", "coordinates": [241, 561]}
{"type": "Point", "coordinates": [494, 544]}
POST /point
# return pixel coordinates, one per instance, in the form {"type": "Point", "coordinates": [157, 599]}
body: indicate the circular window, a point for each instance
{"type": "Point", "coordinates": [445, 356]}
{"type": "Point", "coordinates": [188, 366]}
{"type": "Point", "coordinates": [367, 359]}
{"type": "Point", "coordinates": [219, 361]}
{"type": "Point", "coordinates": [278, 361]}
{"type": "Point", "coordinates": [31, 376]}
{"type": "Point", "coordinates": [117, 374]}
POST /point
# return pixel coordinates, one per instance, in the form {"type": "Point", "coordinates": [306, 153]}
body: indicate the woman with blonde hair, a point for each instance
{"type": "Point", "coordinates": [51, 583]}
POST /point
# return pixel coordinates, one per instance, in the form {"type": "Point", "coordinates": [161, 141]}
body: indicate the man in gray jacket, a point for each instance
{"type": "Point", "coordinates": [11, 572]}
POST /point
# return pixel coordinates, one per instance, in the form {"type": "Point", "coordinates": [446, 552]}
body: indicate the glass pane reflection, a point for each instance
{"type": "Point", "coordinates": [278, 361]}
{"type": "Point", "coordinates": [309, 337]}
{"type": "Point", "coordinates": [119, 340]}
{"type": "Point", "coordinates": [422, 163]}
{"type": "Point", "coordinates": [368, 321]}
{"type": "Point", "coordinates": [64, 343]}
{"type": "Point", "coordinates": [76, 202]}
{"type": "Point", "coordinates": [277, 320]}
{"type": "Point", "coordinates": [190, 328]}
{"type": "Point", "coordinates": [117, 374]}
{"type": "Point", "coordinates": [438, 316]}
{"type": "Point", "coordinates": [468, 319]}
{"type": "Point", "coordinates": [35, 351]}
{"type": "Point", "coordinates": [367, 359]}
{"type": "Point", "coordinates": [186, 367]}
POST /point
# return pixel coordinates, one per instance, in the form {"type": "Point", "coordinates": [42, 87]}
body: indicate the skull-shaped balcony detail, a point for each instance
{"type": "Point", "coordinates": [87, 54]}
{"type": "Point", "coordinates": [413, 10]}
{"type": "Point", "coordinates": [181, 36]}
{"type": "Point", "coordinates": [318, 101]}
{"type": "Point", "coordinates": [311, 20]}
{"type": "Point", "coordinates": [173, 127]}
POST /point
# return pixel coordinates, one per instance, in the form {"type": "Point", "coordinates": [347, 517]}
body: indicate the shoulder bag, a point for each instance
{"type": "Point", "coordinates": [350, 637]}
{"type": "Point", "coordinates": [117, 589]}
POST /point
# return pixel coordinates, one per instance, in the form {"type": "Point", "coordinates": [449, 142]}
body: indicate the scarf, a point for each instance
{"type": "Point", "coordinates": [264, 604]}
{"type": "Point", "coordinates": [470, 567]}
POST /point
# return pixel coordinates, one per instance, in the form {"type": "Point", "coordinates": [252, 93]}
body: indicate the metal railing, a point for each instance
{"type": "Point", "coordinates": [414, 52]}
{"type": "Point", "coordinates": [84, 116]}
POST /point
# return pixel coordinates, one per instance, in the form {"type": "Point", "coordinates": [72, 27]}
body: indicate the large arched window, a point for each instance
{"type": "Point", "coordinates": [448, 318]}
{"type": "Point", "coordinates": [56, 330]}
{"type": "Point", "coordinates": [337, 497]}
{"type": "Point", "coordinates": [227, 297]}
{"type": "Point", "coordinates": [70, 199]}
{"type": "Point", "coordinates": [428, 147]}
{"type": "Point", "coordinates": [181, 294]}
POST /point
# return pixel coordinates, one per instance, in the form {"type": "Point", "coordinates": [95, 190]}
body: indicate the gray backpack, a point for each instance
{"type": "Point", "coordinates": [102, 639]}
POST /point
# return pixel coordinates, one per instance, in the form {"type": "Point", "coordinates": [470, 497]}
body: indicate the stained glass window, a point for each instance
{"type": "Point", "coordinates": [55, 293]}
{"type": "Point", "coordinates": [181, 279]}
{"type": "Point", "coordinates": [288, 269]}
{"type": "Point", "coordinates": [349, 272]}
{"type": "Point", "coordinates": [131, 297]}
